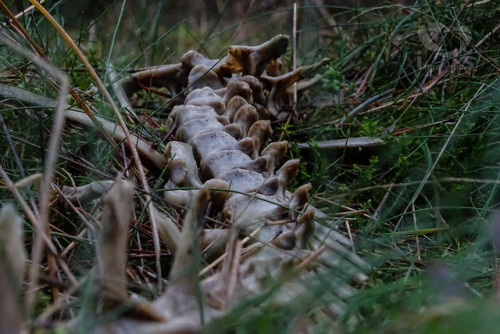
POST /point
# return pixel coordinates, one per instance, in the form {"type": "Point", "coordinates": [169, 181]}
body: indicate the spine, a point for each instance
{"type": "Point", "coordinates": [221, 165]}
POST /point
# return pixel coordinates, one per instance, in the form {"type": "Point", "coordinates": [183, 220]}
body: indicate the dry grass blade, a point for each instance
{"type": "Point", "coordinates": [50, 161]}
{"type": "Point", "coordinates": [12, 262]}
{"type": "Point", "coordinates": [113, 238]}
{"type": "Point", "coordinates": [123, 126]}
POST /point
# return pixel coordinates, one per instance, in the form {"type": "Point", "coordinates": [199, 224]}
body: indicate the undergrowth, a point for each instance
{"type": "Point", "coordinates": [422, 77]}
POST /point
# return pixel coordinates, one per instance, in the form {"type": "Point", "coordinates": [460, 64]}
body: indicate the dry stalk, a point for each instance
{"type": "Point", "coordinates": [123, 126]}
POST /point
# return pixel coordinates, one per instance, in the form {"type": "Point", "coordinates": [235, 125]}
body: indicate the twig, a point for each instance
{"type": "Point", "coordinates": [27, 10]}
{"type": "Point", "coordinates": [344, 143]}
{"type": "Point", "coordinates": [364, 104]}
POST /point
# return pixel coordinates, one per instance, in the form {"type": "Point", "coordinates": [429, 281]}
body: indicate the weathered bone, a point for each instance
{"type": "Point", "coordinates": [201, 76]}
{"type": "Point", "coordinates": [234, 104]}
{"type": "Point", "coordinates": [207, 142]}
{"type": "Point", "coordinates": [221, 129]}
{"type": "Point", "coordinates": [182, 166]}
{"type": "Point", "coordinates": [245, 180]}
{"type": "Point", "coordinates": [158, 76]}
{"type": "Point", "coordinates": [274, 152]}
{"type": "Point", "coordinates": [260, 131]}
{"type": "Point", "coordinates": [149, 156]}
{"type": "Point", "coordinates": [86, 193]}
{"type": "Point", "coordinates": [253, 59]}
{"type": "Point", "coordinates": [268, 211]}
{"type": "Point", "coordinates": [279, 95]}
{"type": "Point", "coordinates": [245, 117]}
{"type": "Point", "coordinates": [206, 97]}
{"type": "Point", "coordinates": [224, 160]}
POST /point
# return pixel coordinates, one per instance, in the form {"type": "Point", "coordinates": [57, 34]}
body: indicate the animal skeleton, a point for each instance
{"type": "Point", "coordinates": [217, 166]}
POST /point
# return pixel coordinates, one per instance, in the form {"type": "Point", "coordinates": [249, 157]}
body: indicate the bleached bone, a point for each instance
{"type": "Point", "coordinates": [253, 60]}
{"type": "Point", "coordinates": [182, 166]}
{"type": "Point", "coordinates": [279, 95]}
{"type": "Point", "coordinates": [179, 114]}
{"type": "Point", "coordinates": [234, 104]}
{"type": "Point", "coordinates": [250, 60]}
{"type": "Point", "coordinates": [206, 97]}
{"type": "Point", "coordinates": [157, 76]}
{"type": "Point", "coordinates": [223, 160]}
{"type": "Point", "coordinates": [221, 130]}
{"type": "Point", "coordinates": [207, 142]}
{"type": "Point", "coordinates": [245, 180]}
{"type": "Point", "coordinates": [201, 76]}
{"type": "Point", "coordinates": [193, 127]}
{"type": "Point", "coordinates": [149, 156]}
{"type": "Point", "coordinates": [88, 192]}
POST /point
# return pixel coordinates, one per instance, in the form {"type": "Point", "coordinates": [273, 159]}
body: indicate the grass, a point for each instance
{"type": "Point", "coordinates": [419, 206]}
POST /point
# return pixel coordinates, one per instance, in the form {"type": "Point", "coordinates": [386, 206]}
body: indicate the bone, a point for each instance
{"type": "Point", "coordinates": [244, 180]}
{"type": "Point", "coordinates": [205, 143]}
{"type": "Point", "coordinates": [260, 131]}
{"type": "Point", "coordinates": [195, 126]}
{"type": "Point", "coordinates": [218, 195]}
{"type": "Point", "coordinates": [253, 59]}
{"type": "Point", "coordinates": [274, 152]}
{"type": "Point", "coordinates": [158, 76]}
{"type": "Point", "coordinates": [206, 97]}
{"type": "Point", "coordinates": [256, 87]}
{"type": "Point", "coordinates": [279, 96]}
{"type": "Point", "coordinates": [193, 58]}
{"type": "Point", "coordinates": [182, 113]}
{"type": "Point", "coordinates": [201, 76]}
{"type": "Point", "coordinates": [238, 88]}
{"type": "Point", "coordinates": [220, 161]}
{"type": "Point", "coordinates": [86, 193]}
{"type": "Point", "coordinates": [287, 172]}
{"type": "Point", "coordinates": [177, 197]}
{"type": "Point", "coordinates": [305, 227]}
{"type": "Point", "coordinates": [248, 210]}
{"type": "Point", "coordinates": [300, 197]}
{"type": "Point", "coordinates": [168, 230]}
{"type": "Point", "coordinates": [245, 117]}
{"type": "Point", "coordinates": [218, 154]}
{"type": "Point", "coordinates": [182, 167]}
{"type": "Point", "coordinates": [234, 104]}
{"type": "Point", "coordinates": [285, 240]}
{"type": "Point", "coordinates": [223, 126]}
{"type": "Point", "coordinates": [152, 158]}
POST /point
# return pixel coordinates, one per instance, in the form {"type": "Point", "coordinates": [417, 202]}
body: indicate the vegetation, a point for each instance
{"type": "Point", "coordinates": [423, 77]}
